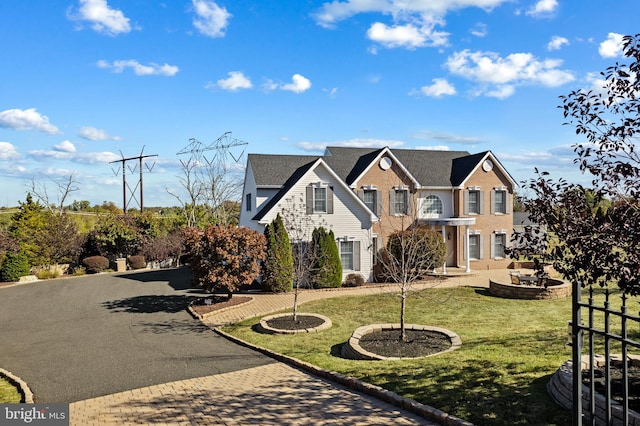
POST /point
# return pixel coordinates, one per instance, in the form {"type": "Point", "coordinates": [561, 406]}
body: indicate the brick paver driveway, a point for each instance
{"type": "Point", "coordinates": [83, 337]}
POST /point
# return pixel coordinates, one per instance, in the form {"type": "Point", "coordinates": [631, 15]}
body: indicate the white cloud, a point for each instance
{"type": "Point", "coordinates": [139, 69]}
{"type": "Point", "coordinates": [557, 42]}
{"type": "Point", "coordinates": [448, 138]}
{"type": "Point", "coordinates": [27, 119]}
{"type": "Point", "coordinates": [65, 146]}
{"type": "Point", "coordinates": [433, 148]}
{"type": "Point", "coordinates": [331, 13]}
{"type": "Point", "coordinates": [298, 84]}
{"type": "Point", "coordinates": [93, 134]}
{"type": "Point", "coordinates": [440, 87]}
{"type": "Point", "coordinates": [211, 19]}
{"type": "Point", "coordinates": [479, 30]}
{"type": "Point", "coordinates": [8, 152]}
{"type": "Point", "coordinates": [408, 36]}
{"type": "Point", "coordinates": [236, 81]}
{"type": "Point", "coordinates": [612, 46]}
{"type": "Point", "coordinates": [351, 143]}
{"type": "Point", "coordinates": [103, 19]}
{"type": "Point", "coordinates": [77, 157]}
{"type": "Point", "coordinates": [543, 8]}
{"type": "Point", "coordinates": [501, 75]}
{"type": "Point", "coordinates": [413, 22]}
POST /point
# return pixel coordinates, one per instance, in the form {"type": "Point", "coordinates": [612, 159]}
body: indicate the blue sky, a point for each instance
{"type": "Point", "coordinates": [86, 82]}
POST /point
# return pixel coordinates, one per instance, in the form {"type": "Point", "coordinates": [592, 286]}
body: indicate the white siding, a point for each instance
{"type": "Point", "coordinates": [349, 219]}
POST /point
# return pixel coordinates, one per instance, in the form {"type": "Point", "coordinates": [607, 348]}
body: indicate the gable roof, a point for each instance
{"type": "Point", "coordinates": [469, 165]}
{"type": "Point", "coordinates": [297, 175]}
{"type": "Point", "coordinates": [274, 170]}
{"type": "Point", "coordinates": [425, 167]}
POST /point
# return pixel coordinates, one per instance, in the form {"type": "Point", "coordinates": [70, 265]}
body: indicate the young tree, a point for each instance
{"type": "Point", "coordinates": [326, 270]}
{"type": "Point", "coordinates": [277, 268]}
{"type": "Point", "coordinates": [299, 227]}
{"type": "Point", "coordinates": [27, 225]}
{"type": "Point", "coordinates": [408, 257]}
{"type": "Point", "coordinates": [595, 243]}
{"type": "Point", "coordinates": [64, 189]}
{"type": "Point", "coordinates": [224, 257]}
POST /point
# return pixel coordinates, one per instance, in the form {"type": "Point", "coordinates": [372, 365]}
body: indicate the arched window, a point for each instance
{"type": "Point", "coordinates": [432, 205]}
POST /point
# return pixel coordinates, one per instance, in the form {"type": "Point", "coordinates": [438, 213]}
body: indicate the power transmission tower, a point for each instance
{"type": "Point", "coordinates": [129, 193]}
{"type": "Point", "coordinates": [211, 172]}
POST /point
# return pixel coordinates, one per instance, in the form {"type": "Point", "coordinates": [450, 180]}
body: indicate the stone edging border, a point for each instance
{"type": "Point", "coordinates": [560, 388]}
{"type": "Point", "coordinates": [23, 389]}
{"type": "Point", "coordinates": [217, 311]}
{"type": "Point", "coordinates": [265, 328]}
{"type": "Point", "coordinates": [382, 394]}
{"type": "Point", "coordinates": [353, 349]}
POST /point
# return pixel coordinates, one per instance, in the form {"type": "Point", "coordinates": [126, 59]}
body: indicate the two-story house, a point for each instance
{"type": "Point", "coordinates": [365, 194]}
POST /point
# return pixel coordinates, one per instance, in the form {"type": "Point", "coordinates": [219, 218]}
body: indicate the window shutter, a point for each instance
{"type": "Point", "coordinates": [361, 194]}
{"type": "Point", "coordinates": [481, 246]}
{"type": "Point", "coordinates": [378, 203]}
{"type": "Point", "coordinates": [330, 200]}
{"type": "Point", "coordinates": [309, 199]}
{"type": "Point", "coordinates": [481, 201]}
{"type": "Point", "coordinates": [507, 206]}
{"type": "Point", "coordinates": [356, 255]}
{"type": "Point", "coordinates": [492, 206]}
{"type": "Point", "coordinates": [465, 208]}
{"type": "Point", "coordinates": [392, 202]}
{"type": "Point", "coordinates": [409, 206]}
{"type": "Point", "coordinates": [493, 246]}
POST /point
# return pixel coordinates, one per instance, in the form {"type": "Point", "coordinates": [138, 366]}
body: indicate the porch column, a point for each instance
{"type": "Point", "coordinates": [444, 265]}
{"type": "Point", "coordinates": [466, 247]}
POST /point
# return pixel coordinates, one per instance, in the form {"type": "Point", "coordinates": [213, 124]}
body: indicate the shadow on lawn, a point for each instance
{"type": "Point", "coordinates": [484, 400]}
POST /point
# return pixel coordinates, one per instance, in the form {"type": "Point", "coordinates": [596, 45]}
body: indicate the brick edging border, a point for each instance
{"type": "Point", "coordinates": [23, 389]}
{"type": "Point", "coordinates": [378, 392]}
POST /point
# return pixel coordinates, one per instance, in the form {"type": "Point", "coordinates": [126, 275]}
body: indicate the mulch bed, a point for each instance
{"type": "Point", "coordinates": [302, 322]}
{"type": "Point", "coordinates": [419, 343]}
{"type": "Point", "coordinates": [617, 384]}
{"type": "Point", "coordinates": [217, 303]}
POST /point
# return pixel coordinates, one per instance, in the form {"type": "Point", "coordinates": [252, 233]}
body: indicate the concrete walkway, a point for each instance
{"type": "Point", "coordinates": [274, 394]}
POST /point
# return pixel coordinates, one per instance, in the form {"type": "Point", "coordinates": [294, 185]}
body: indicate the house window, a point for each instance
{"type": "Point", "coordinates": [349, 254]}
{"type": "Point", "coordinates": [432, 205]}
{"type": "Point", "coordinates": [320, 200]}
{"type": "Point", "coordinates": [369, 198]}
{"type": "Point", "coordinates": [474, 247]}
{"type": "Point", "coordinates": [400, 201]}
{"type": "Point", "coordinates": [498, 244]}
{"type": "Point", "coordinates": [474, 202]}
{"type": "Point", "coordinates": [499, 201]}
{"type": "Point", "coordinates": [248, 202]}
{"type": "Point", "coordinates": [346, 254]}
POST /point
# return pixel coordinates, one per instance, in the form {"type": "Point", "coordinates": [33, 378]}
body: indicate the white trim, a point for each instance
{"type": "Point", "coordinates": [338, 182]}
{"type": "Point", "coordinates": [386, 151]}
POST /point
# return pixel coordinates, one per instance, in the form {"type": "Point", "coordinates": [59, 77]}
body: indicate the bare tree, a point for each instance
{"type": "Point", "coordinates": [212, 177]}
{"type": "Point", "coordinates": [63, 189]}
{"type": "Point", "coordinates": [409, 256]}
{"type": "Point", "coordinates": [300, 226]}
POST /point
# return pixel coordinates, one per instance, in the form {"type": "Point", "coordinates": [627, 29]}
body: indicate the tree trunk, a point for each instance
{"type": "Point", "coordinates": [295, 302]}
{"type": "Point", "coordinates": [403, 331]}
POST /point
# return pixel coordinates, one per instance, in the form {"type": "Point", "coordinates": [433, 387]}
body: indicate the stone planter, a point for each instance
{"type": "Point", "coordinates": [353, 350]}
{"type": "Point", "coordinates": [264, 327]}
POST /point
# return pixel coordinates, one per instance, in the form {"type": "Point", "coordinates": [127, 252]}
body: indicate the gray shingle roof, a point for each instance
{"type": "Point", "coordinates": [430, 168]}
{"type": "Point", "coordinates": [275, 170]}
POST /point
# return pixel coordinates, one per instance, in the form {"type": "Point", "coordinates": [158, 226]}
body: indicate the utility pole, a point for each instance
{"type": "Point", "coordinates": [131, 191]}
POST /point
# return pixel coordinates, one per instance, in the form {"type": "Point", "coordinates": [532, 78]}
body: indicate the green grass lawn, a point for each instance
{"type": "Point", "coordinates": [510, 349]}
{"type": "Point", "coordinates": [8, 392]}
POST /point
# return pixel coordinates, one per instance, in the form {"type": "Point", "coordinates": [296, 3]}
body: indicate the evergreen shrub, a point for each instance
{"type": "Point", "coordinates": [15, 265]}
{"type": "Point", "coordinates": [137, 262]}
{"type": "Point", "coordinates": [327, 268]}
{"type": "Point", "coordinates": [277, 268]}
{"type": "Point", "coordinates": [95, 264]}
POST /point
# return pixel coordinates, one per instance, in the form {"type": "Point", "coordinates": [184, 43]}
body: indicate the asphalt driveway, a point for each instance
{"type": "Point", "coordinates": [77, 338]}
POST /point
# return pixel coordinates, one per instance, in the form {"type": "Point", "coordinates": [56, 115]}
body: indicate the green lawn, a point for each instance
{"type": "Point", "coordinates": [510, 349]}
{"type": "Point", "coordinates": [8, 392]}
